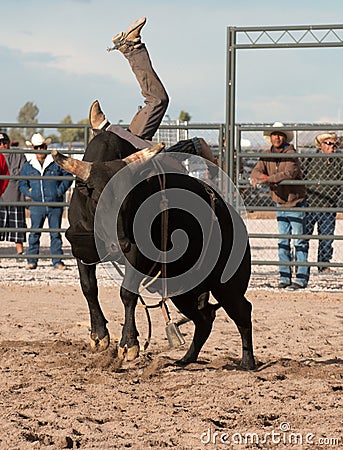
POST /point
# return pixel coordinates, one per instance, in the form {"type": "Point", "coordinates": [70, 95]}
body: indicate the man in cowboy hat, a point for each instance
{"type": "Point", "coordinates": [42, 164]}
{"type": "Point", "coordinates": [323, 196]}
{"type": "Point", "coordinates": [12, 216]}
{"type": "Point", "coordinates": [272, 171]}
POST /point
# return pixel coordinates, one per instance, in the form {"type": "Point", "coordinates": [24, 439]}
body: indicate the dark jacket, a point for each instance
{"type": "Point", "coordinates": [278, 170]}
{"type": "Point", "coordinates": [43, 190]}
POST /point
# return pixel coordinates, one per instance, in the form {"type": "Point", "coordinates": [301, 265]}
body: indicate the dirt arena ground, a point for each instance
{"type": "Point", "coordinates": [54, 393]}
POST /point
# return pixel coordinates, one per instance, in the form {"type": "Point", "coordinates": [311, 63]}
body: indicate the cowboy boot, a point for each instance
{"type": "Point", "coordinates": [130, 39]}
{"type": "Point", "coordinates": [97, 118]}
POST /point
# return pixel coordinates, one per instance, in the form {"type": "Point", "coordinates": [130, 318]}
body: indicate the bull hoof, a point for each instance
{"type": "Point", "coordinates": [128, 353]}
{"type": "Point", "coordinates": [99, 345]}
{"type": "Point", "coordinates": [121, 352]}
{"type": "Point", "coordinates": [248, 364]}
{"type": "Point", "coordinates": [185, 361]}
{"type": "Point", "coordinates": [132, 353]}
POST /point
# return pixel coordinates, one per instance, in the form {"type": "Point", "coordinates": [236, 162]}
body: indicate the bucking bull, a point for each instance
{"type": "Point", "coordinates": [195, 257]}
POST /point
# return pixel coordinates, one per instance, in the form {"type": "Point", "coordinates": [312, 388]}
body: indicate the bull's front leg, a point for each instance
{"type": "Point", "coordinates": [99, 337]}
{"type": "Point", "coordinates": [129, 345]}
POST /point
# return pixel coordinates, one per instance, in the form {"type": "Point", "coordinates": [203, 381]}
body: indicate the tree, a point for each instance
{"type": "Point", "coordinates": [68, 135]}
{"type": "Point", "coordinates": [16, 135]}
{"type": "Point", "coordinates": [27, 115]}
{"type": "Point", "coordinates": [80, 131]}
{"type": "Point", "coordinates": [184, 116]}
{"type": "Point", "coordinates": [53, 137]}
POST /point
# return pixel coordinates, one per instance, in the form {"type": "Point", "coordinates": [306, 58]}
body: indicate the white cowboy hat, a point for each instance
{"type": "Point", "coordinates": [323, 137]}
{"type": "Point", "coordinates": [37, 139]}
{"type": "Point", "coordinates": [278, 126]}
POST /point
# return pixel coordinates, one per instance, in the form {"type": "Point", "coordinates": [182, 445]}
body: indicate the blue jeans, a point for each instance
{"type": "Point", "coordinates": [38, 214]}
{"type": "Point", "coordinates": [326, 223]}
{"type": "Point", "coordinates": [293, 222]}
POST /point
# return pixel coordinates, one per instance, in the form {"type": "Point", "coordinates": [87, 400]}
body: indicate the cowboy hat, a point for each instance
{"type": "Point", "coordinates": [323, 137]}
{"type": "Point", "coordinates": [37, 139]}
{"type": "Point", "coordinates": [278, 126]}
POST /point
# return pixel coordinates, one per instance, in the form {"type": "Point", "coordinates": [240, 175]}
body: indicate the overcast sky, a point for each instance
{"type": "Point", "coordinates": [53, 53]}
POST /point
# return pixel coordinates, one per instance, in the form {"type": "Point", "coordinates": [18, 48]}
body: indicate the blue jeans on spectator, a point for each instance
{"type": "Point", "coordinates": [38, 214]}
{"type": "Point", "coordinates": [293, 222]}
{"type": "Point", "coordinates": [326, 222]}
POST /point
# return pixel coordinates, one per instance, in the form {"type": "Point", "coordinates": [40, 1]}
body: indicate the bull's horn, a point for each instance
{"type": "Point", "coordinates": [144, 155]}
{"type": "Point", "coordinates": [81, 169]}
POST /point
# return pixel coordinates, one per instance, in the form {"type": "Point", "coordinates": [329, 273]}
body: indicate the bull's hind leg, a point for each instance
{"type": "Point", "coordinates": [99, 338]}
{"type": "Point", "coordinates": [239, 310]}
{"type": "Point", "coordinates": [197, 309]}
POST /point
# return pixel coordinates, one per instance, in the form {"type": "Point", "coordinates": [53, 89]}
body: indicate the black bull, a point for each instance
{"type": "Point", "coordinates": [108, 155]}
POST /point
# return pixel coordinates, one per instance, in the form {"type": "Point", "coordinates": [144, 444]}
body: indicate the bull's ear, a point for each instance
{"type": "Point", "coordinates": [143, 156]}
{"type": "Point", "coordinates": [81, 169]}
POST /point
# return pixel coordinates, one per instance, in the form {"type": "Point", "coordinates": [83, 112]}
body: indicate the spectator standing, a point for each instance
{"type": "Point", "coordinates": [42, 164]}
{"type": "Point", "coordinates": [323, 196]}
{"type": "Point", "coordinates": [12, 216]}
{"type": "Point", "coordinates": [272, 171]}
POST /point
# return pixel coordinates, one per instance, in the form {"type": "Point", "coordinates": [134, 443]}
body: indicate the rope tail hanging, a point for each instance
{"type": "Point", "coordinates": [174, 335]}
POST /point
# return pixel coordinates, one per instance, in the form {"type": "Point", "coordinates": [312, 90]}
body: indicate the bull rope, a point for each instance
{"type": "Point", "coordinates": [164, 240]}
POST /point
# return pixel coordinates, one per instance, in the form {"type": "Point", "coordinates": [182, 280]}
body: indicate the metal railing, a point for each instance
{"type": "Point", "coordinates": [260, 210]}
{"type": "Point", "coordinates": [168, 132]}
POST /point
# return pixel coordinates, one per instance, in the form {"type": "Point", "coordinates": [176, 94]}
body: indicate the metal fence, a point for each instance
{"type": "Point", "coordinates": [169, 132]}
{"type": "Point", "coordinates": [260, 210]}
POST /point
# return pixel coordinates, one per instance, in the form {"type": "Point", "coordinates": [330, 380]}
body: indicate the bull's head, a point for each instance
{"type": "Point", "coordinates": [96, 175]}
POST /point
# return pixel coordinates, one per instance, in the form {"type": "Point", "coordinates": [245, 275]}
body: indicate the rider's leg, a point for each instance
{"type": "Point", "coordinates": [147, 119]}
